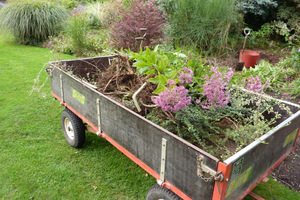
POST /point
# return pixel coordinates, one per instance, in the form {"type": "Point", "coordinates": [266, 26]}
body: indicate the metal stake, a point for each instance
{"type": "Point", "coordinates": [61, 88]}
{"type": "Point", "coordinates": [163, 161]}
{"type": "Point", "coordinates": [99, 117]}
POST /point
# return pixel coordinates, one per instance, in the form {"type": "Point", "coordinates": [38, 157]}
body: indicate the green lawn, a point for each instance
{"type": "Point", "coordinates": [35, 160]}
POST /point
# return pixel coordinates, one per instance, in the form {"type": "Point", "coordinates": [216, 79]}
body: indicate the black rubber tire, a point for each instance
{"type": "Point", "coordinates": [156, 192]}
{"type": "Point", "coordinates": [75, 135]}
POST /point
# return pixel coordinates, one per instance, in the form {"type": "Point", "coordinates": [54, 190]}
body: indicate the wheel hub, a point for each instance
{"type": "Point", "coordinates": [69, 128]}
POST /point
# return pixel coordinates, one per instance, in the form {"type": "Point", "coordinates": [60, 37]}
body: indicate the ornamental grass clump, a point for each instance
{"type": "Point", "coordinates": [202, 24]}
{"type": "Point", "coordinates": [31, 22]}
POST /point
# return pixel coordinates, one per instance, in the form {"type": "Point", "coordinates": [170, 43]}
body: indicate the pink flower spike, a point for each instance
{"type": "Point", "coordinates": [215, 89]}
{"type": "Point", "coordinates": [186, 76]}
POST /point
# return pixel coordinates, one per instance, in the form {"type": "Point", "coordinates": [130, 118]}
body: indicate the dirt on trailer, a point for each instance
{"type": "Point", "coordinates": [120, 81]}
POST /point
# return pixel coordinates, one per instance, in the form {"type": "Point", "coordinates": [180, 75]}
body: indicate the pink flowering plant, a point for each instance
{"type": "Point", "coordinates": [253, 84]}
{"type": "Point", "coordinates": [215, 89]}
{"type": "Point", "coordinates": [173, 98]}
{"type": "Point", "coordinates": [186, 76]}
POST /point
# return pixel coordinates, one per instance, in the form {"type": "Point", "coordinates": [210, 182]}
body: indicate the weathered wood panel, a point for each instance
{"type": "Point", "coordinates": [139, 136]}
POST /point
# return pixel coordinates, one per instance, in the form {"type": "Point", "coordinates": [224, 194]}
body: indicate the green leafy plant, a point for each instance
{"type": "Point", "coordinates": [293, 88]}
{"type": "Point", "coordinates": [276, 76]}
{"type": "Point", "coordinates": [94, 44]}
{"type": "Point", "coordinates": [59, 44]}
{"type": "Point", "coordinates": [256, 120]}
{"type": "Point", "coordinates": [158, 66]}
{"type": "Point", "coordinates": [284, 28]}
{"type": "Point", "coordinates": [77, 28]}
{"type": "Point", "coordinates": [31, 22]}
{"type": "Point", "coordinates": [295, 58]}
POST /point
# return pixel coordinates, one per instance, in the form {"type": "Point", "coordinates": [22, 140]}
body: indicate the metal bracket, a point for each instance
{"type": "Point", "coordinates": [49, 70]}
{"type": "Point", "coordinates": [202, 169]}
{"type": "Point", "coordinates": [61, 89]}
{"type": "Point", "coordinates": [99, 117]}
{"type": "Point", "coordinates": [163, 161]}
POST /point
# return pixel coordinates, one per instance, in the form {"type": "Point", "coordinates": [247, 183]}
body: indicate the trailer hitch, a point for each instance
{"type": "Point", "coordinates": [206, 173]}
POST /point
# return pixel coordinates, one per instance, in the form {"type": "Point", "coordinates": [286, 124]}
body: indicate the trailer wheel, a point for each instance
{"type": "Point", "coordinates": [73, 128]}
{"type": "Point", "coordinates": [156, 192]}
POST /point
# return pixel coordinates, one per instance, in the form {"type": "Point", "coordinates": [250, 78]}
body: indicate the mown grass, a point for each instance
{"type": "Point", "coordinates": [35, 160]}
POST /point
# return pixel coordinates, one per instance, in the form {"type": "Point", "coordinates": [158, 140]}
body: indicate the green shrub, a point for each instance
{"type": "Point", "coordinates": [203, 24]}
{"type": "Point", "coordinates": [60, 44]}
{"type": "Point", "coordinates": [94, 44]}
{"type": "Point", "coordinates": [31, 21]}
{"type": "Point", "coordinates": [258, 12]}
{"type": "Point", "coordinates": [77, 28]}
{"type": "Point", "coordinates": [283, 29]}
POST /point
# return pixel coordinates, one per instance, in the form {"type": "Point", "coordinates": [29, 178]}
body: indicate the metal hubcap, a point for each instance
{"type": "Point", "coordinates": [69, 128]}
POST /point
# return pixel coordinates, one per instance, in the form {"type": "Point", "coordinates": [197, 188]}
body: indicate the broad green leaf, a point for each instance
{"type": "Point", "coordinates": [159, 89]}
{"type": "Point", "coordinates": [163, 63]}
{"type": "Point", "coordinates": [159, 79]}
{"type": "Point", "coordinates": [150, 57]}
{"type": "Point", "coordinates": [154, 80]}
{"type": "Point", "coordinates": [143, 70]}
{"type": "Point", "coordinates": [140, 64]}
{"type": "Point", "coordinates": [138, 57]}
{"type": "Point", "coordinates": [155, 48]}
{"type": "Point", "coordinates": [171, 74]}
{"type": "Point", "coordinates": [180, 55]}
{"type": "Point", "coordinates": [152, 71]}
{"type": "Point", "coordinates": [162, 79]}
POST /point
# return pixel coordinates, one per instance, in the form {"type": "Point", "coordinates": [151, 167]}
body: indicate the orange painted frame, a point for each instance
{"type": "Point", "coordinates": [221, 187]}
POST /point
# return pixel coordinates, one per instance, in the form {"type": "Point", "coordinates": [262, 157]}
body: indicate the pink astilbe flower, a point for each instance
{"type": "Point", "coordinates": [253, 84]}
{"type": "Point", "coordinates": [215, 89]}
{"type": "Point", "coordinates": [186, 76]}
{"type": "Point", "coordinates": [173, 98]}
{"type": "Point", "coordinates": [171, 82]}
{"type": "Point", "coordinates": [286, 95]}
